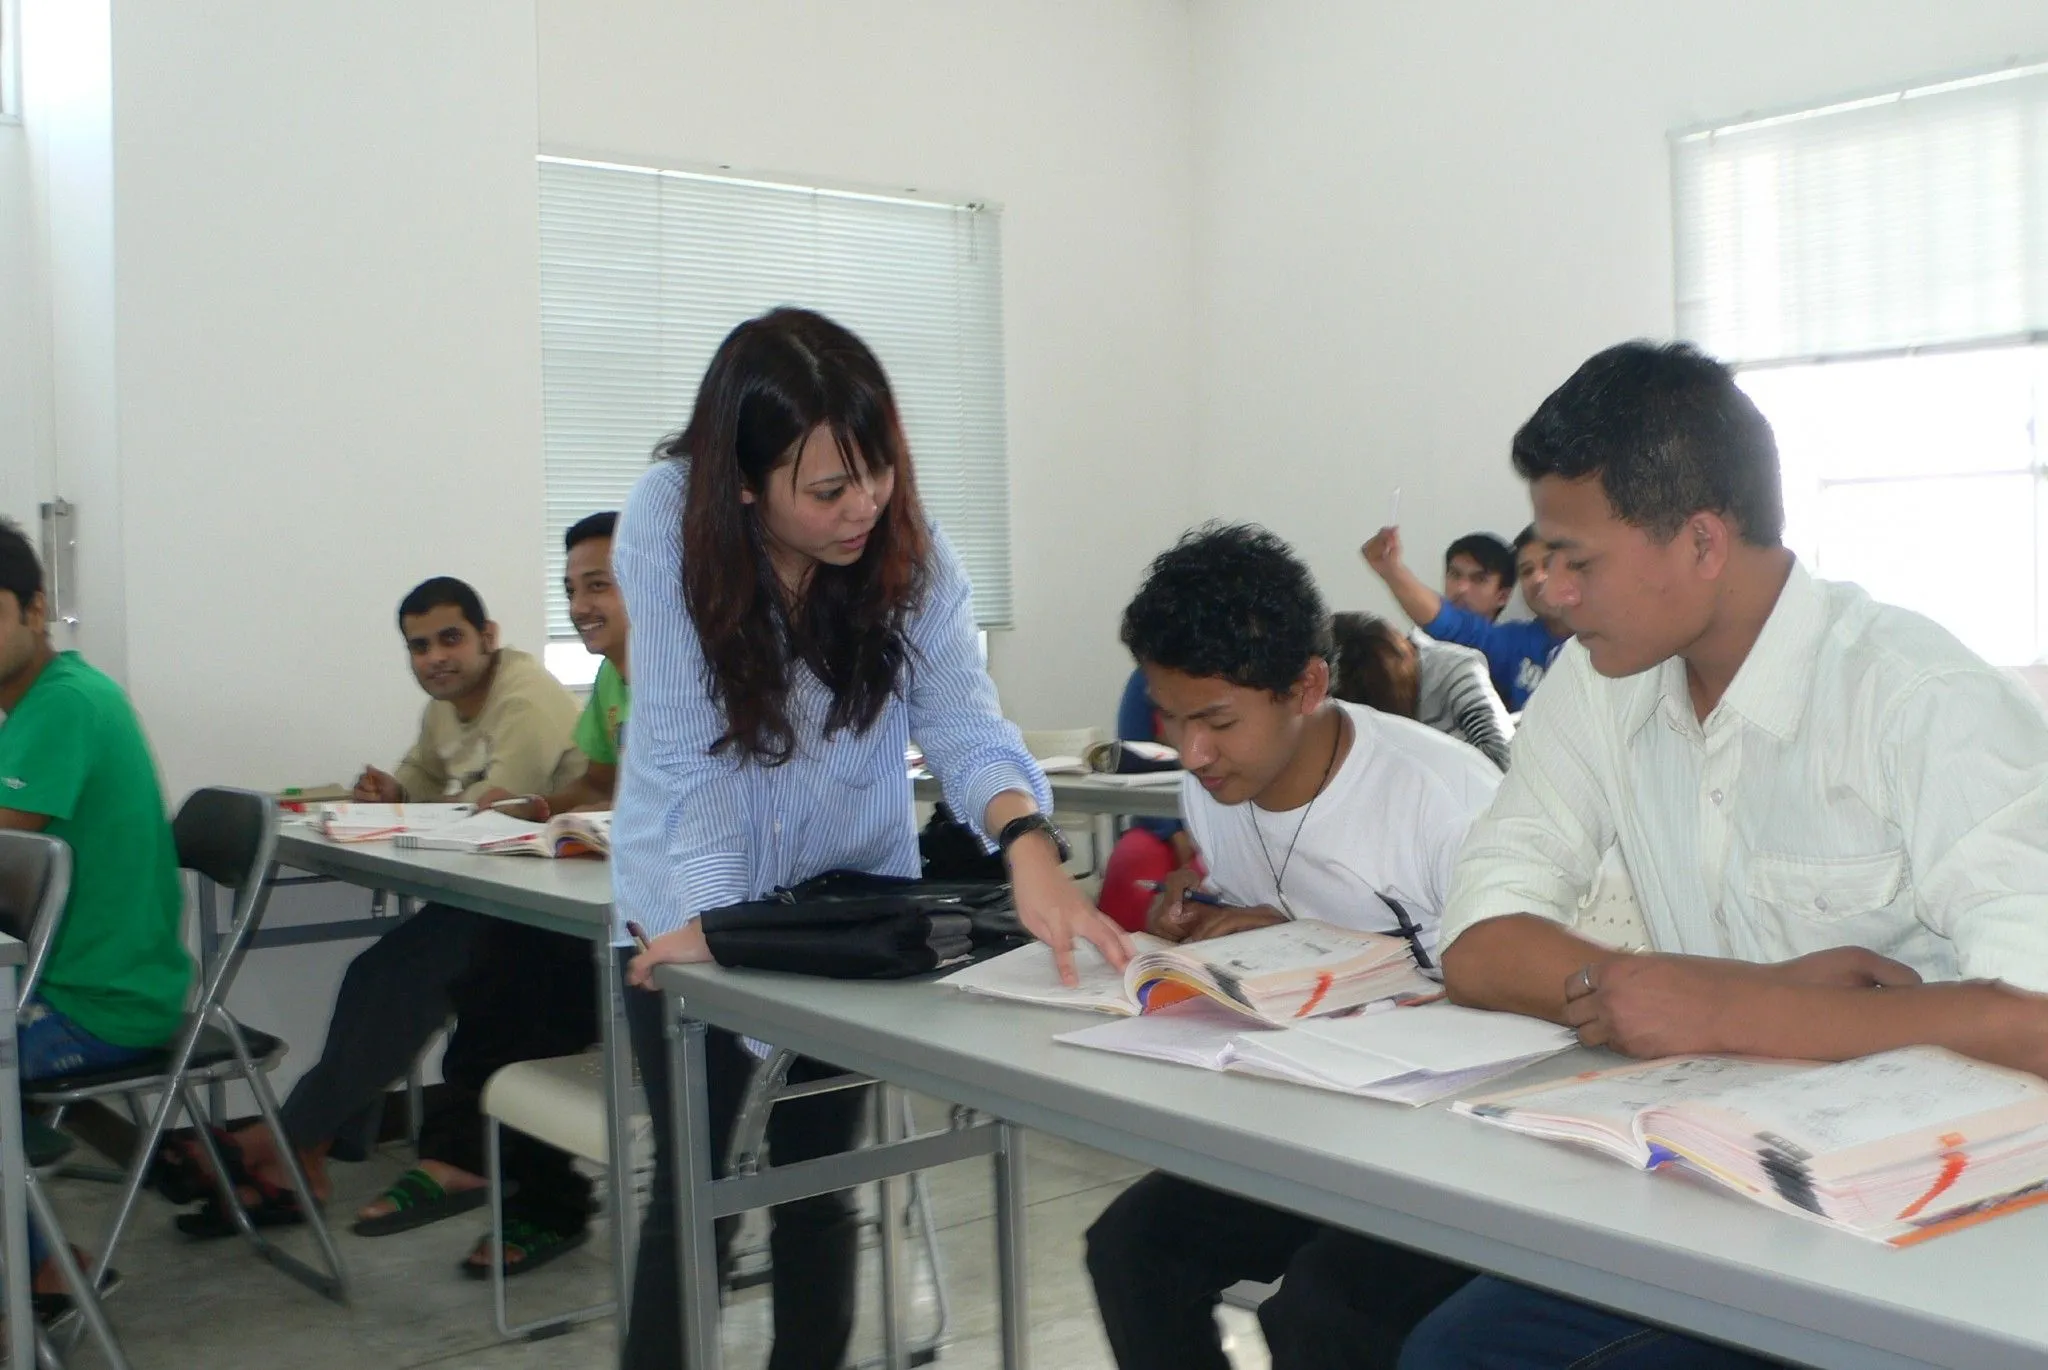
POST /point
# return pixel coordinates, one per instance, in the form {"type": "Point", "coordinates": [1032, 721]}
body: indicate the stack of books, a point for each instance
{"type": "Point", "coordinates": [1897, 1147]}
{"type": "Point", "coordinates": [352, 822]}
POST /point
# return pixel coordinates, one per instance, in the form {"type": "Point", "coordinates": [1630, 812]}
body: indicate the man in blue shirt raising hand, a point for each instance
{"type": "Point", "coordinates": [1517, 653]}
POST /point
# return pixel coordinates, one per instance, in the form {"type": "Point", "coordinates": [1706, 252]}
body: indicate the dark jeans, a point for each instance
{"type": "Point", "coordinates": [1492, 1324]}
{"type": "Point", "coordinates": [815, 1243]}
{"type": "Point", "coordinates": [1162, 1254]}
{"type": "Point", "coordinates": [394, 997]}
{"type": "Point", "coordinates": [518, 994]}
{"type": "Point", "coordinates": [528, 994]}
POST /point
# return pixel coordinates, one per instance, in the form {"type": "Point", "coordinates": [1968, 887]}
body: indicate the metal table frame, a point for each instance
{"type": "Point", "coordinates": [1656, 1246]}
{"type": "Point", "coordinates": [572, 897]}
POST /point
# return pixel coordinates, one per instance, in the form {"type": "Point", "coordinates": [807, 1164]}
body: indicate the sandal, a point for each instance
{"type": "Point", "coordinates": [180, 1173]}
{"type": "Point", "coordinates": [274, 1207]}
{"type": "Point", "coordinates": [528, 1246]}
{"type": "Point", "coordinates": [50, 1309]}
{"type": "Point", "coordinates": [418, 1199]}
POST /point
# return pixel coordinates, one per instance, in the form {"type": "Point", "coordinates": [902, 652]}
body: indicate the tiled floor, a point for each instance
{"type": "Point", "coordinates": [219, 1305]}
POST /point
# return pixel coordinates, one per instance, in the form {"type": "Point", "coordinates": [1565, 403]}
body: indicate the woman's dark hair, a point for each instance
{"type": "Point", "coordinates": [773, 382]}
{"type": "Point", "coordinates": [1375, 665]}
{"type": "Point", "coordinates": [1669, 433]}
{"type": "Point", "coordinates": [1229, 602]}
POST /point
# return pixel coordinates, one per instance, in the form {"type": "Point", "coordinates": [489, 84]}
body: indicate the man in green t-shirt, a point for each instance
{"type": "Point", "coordinates": [74, 764]}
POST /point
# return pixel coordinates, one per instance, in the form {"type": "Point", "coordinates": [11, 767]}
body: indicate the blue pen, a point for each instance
{"type": "Point", "coordinates": [1191, 896]}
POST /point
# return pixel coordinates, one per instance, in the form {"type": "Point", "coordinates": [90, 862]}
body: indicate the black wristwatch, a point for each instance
{"type": "Point", "coordinates": [1030, 823]}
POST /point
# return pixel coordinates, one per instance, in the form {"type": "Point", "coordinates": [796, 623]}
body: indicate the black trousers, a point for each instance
{"type": "Point", "coordinates": [815, 1243]}
{"type": "Point", "coordinates": [527, 994]}
{"type": "Point", "coordinates": [518, 993]}
{"type": "Point", "coordinates": [1162, 1254]}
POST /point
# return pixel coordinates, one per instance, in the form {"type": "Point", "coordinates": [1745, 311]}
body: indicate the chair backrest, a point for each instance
{"type": "Point", "coordinates": [35, 880]}
{"type": "Point", "coordinates": [228, 836]}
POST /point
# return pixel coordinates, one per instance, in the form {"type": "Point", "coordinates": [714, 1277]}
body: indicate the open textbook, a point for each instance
{"type": "Point", "coordinates": [1896, 1147]}
{"type": "Point", "coordinates": [1275, 974]}
{"type": "Point", "coordinates": [352, 822]}
{"type": "Point", "coordinates": [1407, 1055]}
{"type": "Point", "coordinates": [490, 833]}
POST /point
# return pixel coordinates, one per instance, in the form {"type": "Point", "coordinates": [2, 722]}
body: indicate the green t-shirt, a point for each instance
{"type": "Point", "coordinates": [73, 751]}
{"type": "Point", "coordinates": [601, 729]}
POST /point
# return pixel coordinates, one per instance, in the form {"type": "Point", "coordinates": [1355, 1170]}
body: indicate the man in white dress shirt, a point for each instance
{"type": "Point", "coordinates": [1835, 817]}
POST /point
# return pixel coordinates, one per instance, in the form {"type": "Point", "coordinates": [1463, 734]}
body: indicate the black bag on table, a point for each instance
{"type": "Point", "coordinates": [849, 925]}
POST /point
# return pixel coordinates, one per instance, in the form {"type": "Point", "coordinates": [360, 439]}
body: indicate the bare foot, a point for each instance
{"type": "Point", "coordinates": [454, 1179]}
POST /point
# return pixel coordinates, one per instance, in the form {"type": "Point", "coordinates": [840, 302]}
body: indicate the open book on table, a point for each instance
{"type": "Point", "coordinates": [1406, 1055]}
{"type": "Point", "coordinates": [1896, 1147]}
{"type": "Point", "coordinates": [1274, 974]}
{"type": "Point", "coordinates": [352, 822]}
{"type": "Point", "coordinates": [490, 833]}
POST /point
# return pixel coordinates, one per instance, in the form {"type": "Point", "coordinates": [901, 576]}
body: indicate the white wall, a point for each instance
{"type": "Point", "coordinates": [23, 405]}
{"type": "Point", "coordinates": [1415, 220]}
{"type": "Point", "coordinates": [321, 385]}
{"type": "Point", "coordinates": [1075, 117]}
{"type": "Point", "coordinates": [328, 351]}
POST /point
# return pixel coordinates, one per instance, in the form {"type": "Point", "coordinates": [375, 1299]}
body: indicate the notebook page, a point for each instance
{"type": "Point", "coordinates": [1303, 944]}
{"type": "Point", "coordinates": [1028, 973]}
{"type": "Point", "coordinates": [1442, 1038]}
{"type": "Point", "coordinates": [1613, 1098]}
{"type": "Point", "coordinates": [1194, 1033]}
{"type": "Point", "coordinates": [1854, 1103]}
{"type": "Point", "coordinates": [485, 825]}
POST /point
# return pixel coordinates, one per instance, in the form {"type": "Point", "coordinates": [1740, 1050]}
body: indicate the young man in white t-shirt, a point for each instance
{"type": "Point", "coordinates": [1300, 807]}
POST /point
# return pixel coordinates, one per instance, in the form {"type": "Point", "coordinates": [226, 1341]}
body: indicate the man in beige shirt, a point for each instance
{"type": "Point", "coordinates": [1834, 816]}
{"type": "Point", "coordinates": [496, 721]}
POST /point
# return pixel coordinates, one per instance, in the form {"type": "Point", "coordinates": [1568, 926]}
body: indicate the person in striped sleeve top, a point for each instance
{"type": "Point", "coordinates": [795, 620]}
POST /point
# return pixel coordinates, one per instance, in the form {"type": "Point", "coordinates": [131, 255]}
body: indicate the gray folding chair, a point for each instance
{"type": "Point", "coordinates": [768, 1086]}
{"type": "Point", "coordinates": [35, 880]}
{"type": "Point", "coordinates": [226, 838]}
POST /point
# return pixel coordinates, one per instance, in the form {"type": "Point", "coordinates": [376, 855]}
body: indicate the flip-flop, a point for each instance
{"type": "Point", "coordinates": [535, 1244]}
{"type": "Point", "coordinates": [419, 1199]}
{"type": "Point", "coordinates": [274, 1207]}
{"type": "Point", "coordinates": [180, 1172]}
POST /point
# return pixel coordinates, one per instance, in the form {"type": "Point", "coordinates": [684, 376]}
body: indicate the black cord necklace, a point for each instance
{"type": "Point", "coordinates": [1279, 872]}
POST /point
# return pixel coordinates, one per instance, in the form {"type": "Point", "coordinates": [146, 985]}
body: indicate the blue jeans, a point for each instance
{"type": "Point", "coordinates": [1492, 1324]}
{"type": "Point", "coordinates": [49, 1044]}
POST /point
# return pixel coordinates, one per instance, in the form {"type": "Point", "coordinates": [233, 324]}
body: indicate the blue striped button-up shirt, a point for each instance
{"type": "Point", "coordinates": [694, 831]}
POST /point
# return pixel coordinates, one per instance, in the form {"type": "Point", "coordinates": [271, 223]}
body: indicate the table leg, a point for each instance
{"type": "Point", "coordinates": [618, 1100]}
{"type": "Point", "coordinates": [1010, 1247]}
{"type": "Point", "coordinates": [21, 1324]}
{"type": "Point", "coordinates": [889, 1200]}
{"type": "Point", "coordinates": [696, 1238]}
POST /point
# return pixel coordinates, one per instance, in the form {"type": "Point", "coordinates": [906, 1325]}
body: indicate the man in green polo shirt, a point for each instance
{"type": "Point", "coordinates": [74, 764]}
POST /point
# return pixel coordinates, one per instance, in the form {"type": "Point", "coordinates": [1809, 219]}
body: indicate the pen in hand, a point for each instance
{"type": "Point", "coordinates": [638, 934]}
{"type": "Point", "coordinates": [1190, 896]}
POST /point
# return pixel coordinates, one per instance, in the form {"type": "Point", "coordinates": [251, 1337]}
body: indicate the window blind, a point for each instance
{"type": "Point", "coordinates": [1909, 220]}
{"type": "Point", "coordinates": [643, 272]}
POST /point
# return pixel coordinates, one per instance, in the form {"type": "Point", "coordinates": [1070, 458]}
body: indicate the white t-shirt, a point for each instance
{"type": "Point", "coordinates": [1389, 823]}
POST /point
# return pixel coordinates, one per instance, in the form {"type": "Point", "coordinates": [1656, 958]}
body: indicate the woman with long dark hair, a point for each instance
{"type": "Point", "coordinates": [795, 622]}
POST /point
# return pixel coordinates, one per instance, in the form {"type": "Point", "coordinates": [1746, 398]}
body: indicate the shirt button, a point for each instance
{"type": "Point", "coordinates": [1715, 796]}
{"type": "Point", "coordinates": [1820, 903]}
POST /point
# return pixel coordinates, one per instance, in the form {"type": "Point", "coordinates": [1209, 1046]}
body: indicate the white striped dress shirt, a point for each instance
{"type": "Point", "coordinates": [1864, 781]}
{"type": "Point", "coordinates": [694, 831]}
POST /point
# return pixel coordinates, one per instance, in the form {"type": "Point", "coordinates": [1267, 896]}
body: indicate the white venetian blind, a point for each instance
{"type": "Point", "coordinates": [644, 272]}
{"type": "Point", "coordinates": [1909, 220]}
